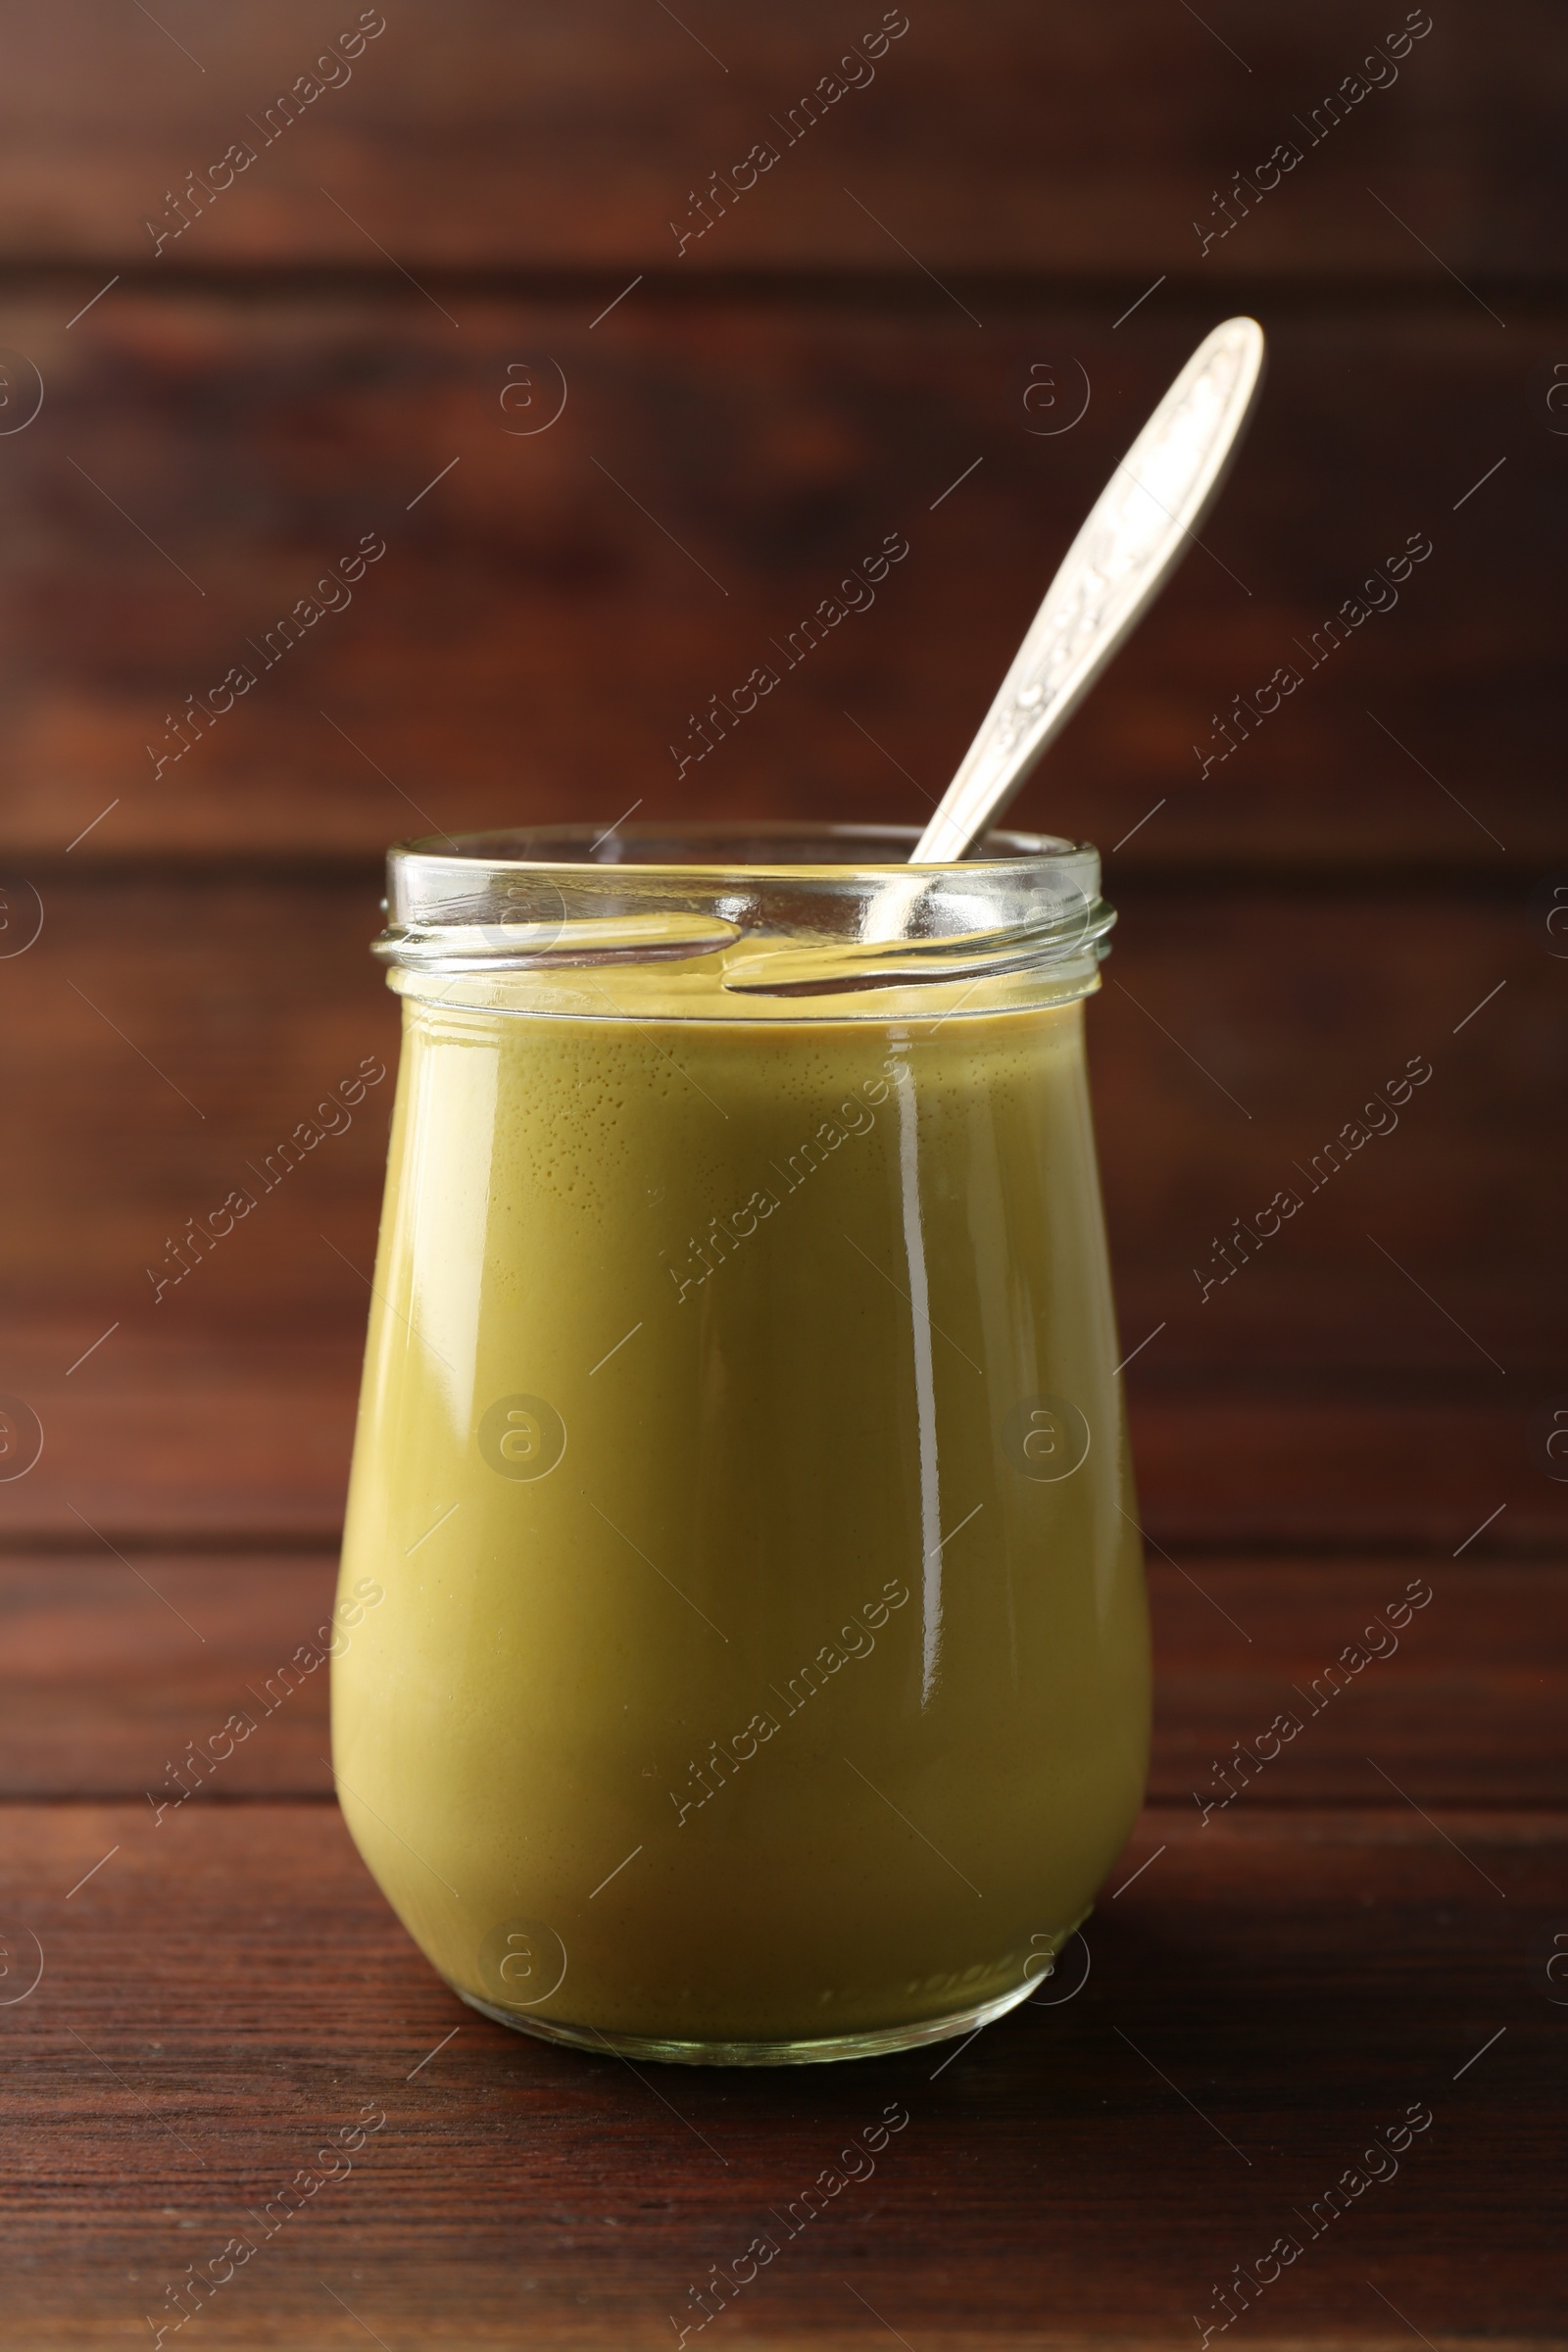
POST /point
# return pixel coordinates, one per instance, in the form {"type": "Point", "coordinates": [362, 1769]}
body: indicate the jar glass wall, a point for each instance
{"type": "Point", "coordinates": [759, 1667]}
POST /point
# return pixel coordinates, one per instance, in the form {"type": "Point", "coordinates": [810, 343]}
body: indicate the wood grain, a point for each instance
{"type": "Point", "coordinates": [1235, 1038]}
{"type": "Point", "coordinates": [1468, 1709]}
{"type": "Point", "coordinates": [111, 1670]}
{"type": "Point", "coordinates": [1013, 138]}
{"type": "Point", "coordinates": [235, 1436]}
{"type": "Point", "coordinates": [1267, 1993]}
{"type": "Point", "coordinates": [1372, 1370]}
{"type": "Point", "coordinates": [203, 1025]}
{"type": "Point", "coordinates": [115, 1668]}
{"type": "Point", "coordinates": [199, 1438]}
{"type": "Point", "coordinates": [554, 609]}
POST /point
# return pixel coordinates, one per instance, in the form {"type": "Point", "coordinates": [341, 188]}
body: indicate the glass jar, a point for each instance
{"type": "Point", "coordinates": [749, 1658]}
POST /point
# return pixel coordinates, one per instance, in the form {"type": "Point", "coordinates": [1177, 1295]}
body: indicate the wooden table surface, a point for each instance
{"type": "Point", "coordinates": [359, 334]}
{"type": "Point", "coordinates": [1371, 1935]}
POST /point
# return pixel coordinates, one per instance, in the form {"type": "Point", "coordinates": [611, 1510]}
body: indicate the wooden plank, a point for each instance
{"type": "Point", "coordinates": [1269, 1994]}
{"type": "Point", "coordinates": [1452, 1703]}
{"type": "Point", "coordinates": [166, 1037]}
{"type": "Point", "coordinates": [716, 471]}
{"type": "Point", "coordinates": [1271, 1052]}
{"type": "Point", "coordinates": [245, 1437]}
{"type": "Point", "coordinates": [1044, 138]}
{"type": "Point", "coordinates": [113, 1670]}
{"type": "Point", "coordinates": [170, 1040]}
{"type": "Point", "coordinates": [203, 1437]}
{"type": "Point", "coordinates": [1241, 1470]}
{"type": "Point", "coordinates": [1371, 1371]}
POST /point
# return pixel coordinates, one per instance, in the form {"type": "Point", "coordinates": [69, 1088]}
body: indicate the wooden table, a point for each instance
{"type": "Point", "coordinates": [1372, 1933]}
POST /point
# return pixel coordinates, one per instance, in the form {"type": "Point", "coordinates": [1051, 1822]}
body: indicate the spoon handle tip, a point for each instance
{"type": "Point", "coordinates": [1137, 529]}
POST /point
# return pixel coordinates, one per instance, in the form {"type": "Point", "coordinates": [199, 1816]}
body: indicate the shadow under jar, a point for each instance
{"type": "Point", "coordinates": [763, 1671]}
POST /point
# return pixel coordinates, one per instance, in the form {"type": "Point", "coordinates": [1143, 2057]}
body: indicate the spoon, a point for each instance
{"type": "Point", "coordinates": [1138, 527]}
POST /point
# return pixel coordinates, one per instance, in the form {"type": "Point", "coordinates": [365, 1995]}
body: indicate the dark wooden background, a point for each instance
{"type": "Point", "coordinates": [891, 331]}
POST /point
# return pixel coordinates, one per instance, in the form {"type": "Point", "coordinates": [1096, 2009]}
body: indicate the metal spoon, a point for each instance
{"type": "Point", "coordinates": [1143, 521]}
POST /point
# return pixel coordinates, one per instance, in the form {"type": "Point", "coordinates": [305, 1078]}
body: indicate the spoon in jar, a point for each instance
{"type": "Point", "coordinates": [1142, 523]}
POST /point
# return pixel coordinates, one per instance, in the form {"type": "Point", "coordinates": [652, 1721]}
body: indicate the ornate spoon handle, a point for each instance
{"type": "Point", "coordinates": [1141, 524]}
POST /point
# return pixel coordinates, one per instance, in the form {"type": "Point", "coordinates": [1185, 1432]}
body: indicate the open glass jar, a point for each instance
{"type": "Point", "coordinates": [761, 1673]}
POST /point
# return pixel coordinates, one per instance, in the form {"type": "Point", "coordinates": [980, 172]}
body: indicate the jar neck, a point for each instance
{"type": "Point", "coordinates": [719, 921]}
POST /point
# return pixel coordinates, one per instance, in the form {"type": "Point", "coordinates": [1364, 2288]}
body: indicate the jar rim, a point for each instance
{"type": "Point", "coordinates": [767, 906]}
{"type": "Point", "coordinates": [551, 844]}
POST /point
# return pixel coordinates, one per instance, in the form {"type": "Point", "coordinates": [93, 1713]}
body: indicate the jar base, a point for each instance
{"type": "Point", "coordinates": [817, 2050]}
